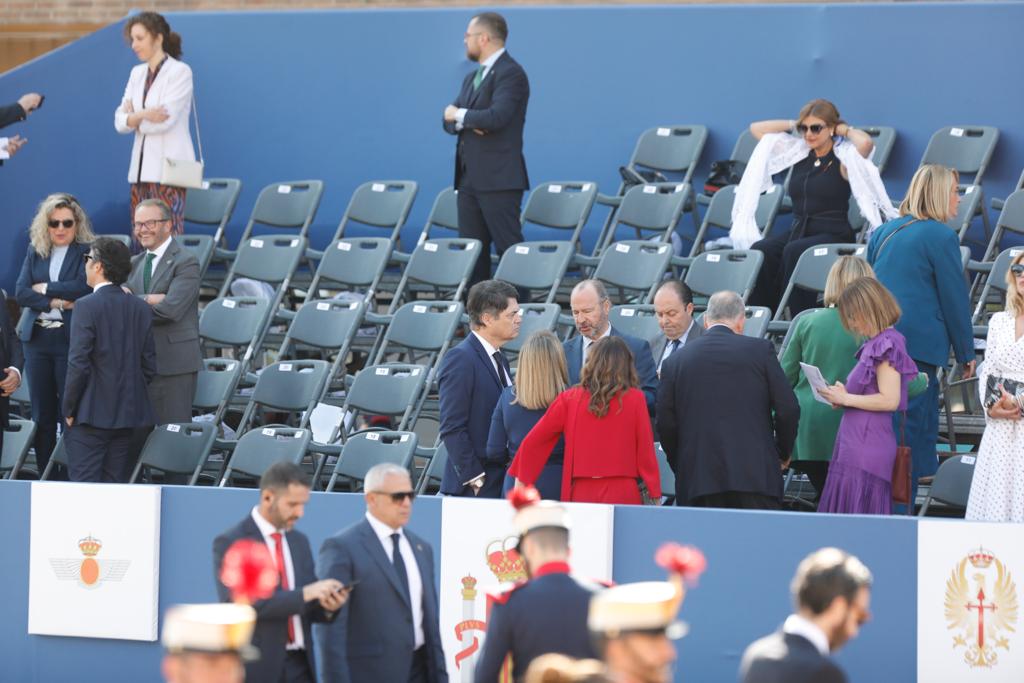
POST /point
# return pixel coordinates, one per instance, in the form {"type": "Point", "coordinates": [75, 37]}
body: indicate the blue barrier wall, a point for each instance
{"type": "Point", "coordinates": [743, 595]}
{"type": "Point", "coordinates": [348, 96]}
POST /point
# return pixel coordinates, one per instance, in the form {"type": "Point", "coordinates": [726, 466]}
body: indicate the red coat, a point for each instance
{"type": "Point", "coordinates": [604, 456]}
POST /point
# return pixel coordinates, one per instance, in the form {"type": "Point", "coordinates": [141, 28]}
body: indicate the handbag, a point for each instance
{"type": "Point", "coordinates": [724, 172]}
{"type": "Point", "coordinates": [901, 469]}
{"type": "Point", "coordinates": [185, 173]}
{"type": "Point", "coordinates": [993, 393]}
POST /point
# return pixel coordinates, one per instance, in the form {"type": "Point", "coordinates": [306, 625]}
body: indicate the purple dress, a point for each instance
{"type": "Point", "coordinates": [860, 476]}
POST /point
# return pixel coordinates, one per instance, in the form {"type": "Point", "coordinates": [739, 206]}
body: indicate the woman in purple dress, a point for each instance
{"type": "Point", "coordinates": [860, 476]}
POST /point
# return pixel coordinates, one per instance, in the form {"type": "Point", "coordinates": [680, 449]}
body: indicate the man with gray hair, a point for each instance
{"type": "Point", "coordinates": [831, 592]}
{"type": "Point", "coordinates": [389, 629]}
{"type": "Point", "coordinates": [727, 416]}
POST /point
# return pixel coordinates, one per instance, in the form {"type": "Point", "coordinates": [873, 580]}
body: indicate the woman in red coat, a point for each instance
{"type": "Point", "coordinates": [608, 440]}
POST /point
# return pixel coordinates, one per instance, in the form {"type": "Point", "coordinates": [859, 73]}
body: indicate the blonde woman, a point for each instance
{"type": "Point", "coordinates": [52, 277]}
{"type": "Point", "coordinates": [860, 476]}
{"type": "Point", "coordinates": [997, 491]}
{"type": "Point", "coordinates": [917, 258]}
{"type": "Point", "coordinates": [541, 376]}
{"type": "Point", "coordinates": [820, 339]}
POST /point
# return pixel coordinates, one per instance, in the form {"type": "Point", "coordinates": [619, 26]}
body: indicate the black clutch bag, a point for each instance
{"type": "Point", "coordinates": [993, 392]}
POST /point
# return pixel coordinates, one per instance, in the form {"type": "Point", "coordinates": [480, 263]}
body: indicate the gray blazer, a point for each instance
{"type": "Point", "coordinates": [176, 318]}
{"type": "Point", "coordinates": [787, 658]}
{"type": "Point", "coordinates": [659, 344]}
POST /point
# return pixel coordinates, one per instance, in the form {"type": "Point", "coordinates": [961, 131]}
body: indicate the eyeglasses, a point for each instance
{"type": "Point", "coordinates": [398, 496]}
{"type": "Point", "coordinates": [67, 223]}
{"type": "Point", "coordinates": [149, 225]}
{"type": "Point", "coordinates": [814, 128]}
{"type": "Point", "coordinates": [1017, 269]}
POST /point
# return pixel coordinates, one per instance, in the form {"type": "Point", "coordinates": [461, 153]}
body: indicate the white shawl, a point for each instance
{"type": "Point", "coordinates": [777, 152]}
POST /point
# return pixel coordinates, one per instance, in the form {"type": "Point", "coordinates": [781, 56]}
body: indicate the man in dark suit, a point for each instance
{"type": "Point", "coordinates": [590, 307]}
{"type": "Point", "coordinates": [727, 416]}
{"type": "Point", "coordinates": [832, 591]}
{"type": "Point", "coordinates": [488, 117]}
{"type": "Point", "coordinates": [388, 629]}
{"type": "Point", "coordinates": [111, 360]}
{"type": "Point", "coordinates": [546, 614]}
{"type": "Point", "coordinates": [673, 306]}
{"type": "Point", "coordinates": [283, 621]}
{"type": "Point", "coordinates": [166, 276]}
{"type": "Point", "coordinates": [470, 383]}
{"type": "Point", "coordinates": [12, 113]}
{"type": "Point", "coordinates": [11, 363]}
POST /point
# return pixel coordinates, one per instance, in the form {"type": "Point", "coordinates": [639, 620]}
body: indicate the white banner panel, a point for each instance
{"type": "Point", "coordinates": [478, 556]}
{"type": "Point", "coordinates": [969, 623]}
{"type": "Point", "coordinates": [94, 560]}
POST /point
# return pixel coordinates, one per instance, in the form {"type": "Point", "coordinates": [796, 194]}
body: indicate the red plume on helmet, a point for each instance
{"type": "Point", "coordinates": [248, 571]}
{"type": "Point", "coordinates": [683, 560]}
{"type": "Point", "coordinates": [522, 497]}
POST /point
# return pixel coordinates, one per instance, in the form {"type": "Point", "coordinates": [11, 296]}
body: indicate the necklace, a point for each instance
{"type": "Point", "coordinates": [817, 163]}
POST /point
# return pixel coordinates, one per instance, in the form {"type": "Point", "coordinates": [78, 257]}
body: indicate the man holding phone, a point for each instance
{"type": "Point", "coordinates": [283, 621]}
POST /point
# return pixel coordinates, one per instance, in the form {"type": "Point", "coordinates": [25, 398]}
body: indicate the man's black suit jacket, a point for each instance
{"type": "Point", "coordinates": [726, 416]}
{"type": "Point", "coordinates": [787, 658]}
{"type": "Point", "coordinates": [272, 614]}
{"type": "Point", "coordinates": [11, 113]}
{"type": "Point", "coordinates": [492, 161]}
{"type": "Point", "coordinates": [10, 356]}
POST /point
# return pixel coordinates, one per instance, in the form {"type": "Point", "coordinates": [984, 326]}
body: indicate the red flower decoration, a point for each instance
{"type": "Point", "coordinates": [524, 496]}
{"type": "Point", "coordinates": [684, 560]}
{"type": "Point", "coordinates": [248, 571]}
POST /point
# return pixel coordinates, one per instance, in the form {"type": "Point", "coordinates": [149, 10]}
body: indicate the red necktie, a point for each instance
{"type": "Point", "coordinates": [283, 571]}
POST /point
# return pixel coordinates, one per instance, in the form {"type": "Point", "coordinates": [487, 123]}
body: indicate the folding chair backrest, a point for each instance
{"type": "Point", "coordinates": [535, 265]}
{"type": "Point", "coordinates": [267, 258]}
{"type": "Point", "coordinates": [444, 263]}
{"type": "Point", "coordinates": [179, 448]}
{"type": "Point", "coordinates": [212, 205]}
{"type": "Point", "coordinates": [668, 477]}
{"type": "Point", "coordinates": [366, 449]}
{"type": "Point", "coordinates": [812, 267]}
{"type": "Point", "coordinates": [634, 265]}
{"type": "Point", "coordinates": [387, 389]}
{"type": "Point", "coordinates": [126, 240]}
{"type": "Point", "coordinates": [215, 382]}
{"type": "Point", "coordinates": [1011, 217]}
{"type": "Point", "coordinates": [260, 448]}
{"type": "Point", "coordinates": [733, 269]}
{"type": "Point", "coordinates": [289, 204]}
{"type": "Point", "coordinates": [884, 137]}
{"type": "Point", "coordinates": [234, 320]}
{"type": "Point", "coordinates": [996, 281]}
{"type": "Point", "coordinates": [535, 317]}
{"type": "Point", "coordinates": [380, 204]}
{"type": "Point", "coordinates": [719, 213]}
{"type": "Point", "coordinates": [354, 262]}
{"type": "Point", "coordinates": [201, 246]}
{"type": "Point", "coordinates": [971, 201]}
{"type": "Point", "coordinates": [434, 471]}
{"type": "Point", "coordinates": [635, 320]}
{"type": "Point", "coordinates": [965, 148]}
{"type": "Point", "coordinates": [324, 324]}
{"type": "Point", "coordinates": [952, 483]}
{"type": "Point", "coordinates": [17, 439]}
{"type": "Point", "coordinates": [423, 326]}
{"type": "Point", "coordinates": [58, 457]}
{"type": "Point", "coordinates": [290, 385]}
{"type": "Point", "coordinates": [744, 147]}
{"type": "Point", "coordinates": [444, 213]}
{"type": "Point", "coordinates": [561, 205]}
{"type": "Point", "coordinates": [756, 324]}
{"type": "Point", "coordinates": [670, 148]}
{"type": "Point", "coordinates": [653, 207]}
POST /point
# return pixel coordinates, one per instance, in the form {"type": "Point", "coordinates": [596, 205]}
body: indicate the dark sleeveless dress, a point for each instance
{"type": "Point", "coordinates": [821, 200]}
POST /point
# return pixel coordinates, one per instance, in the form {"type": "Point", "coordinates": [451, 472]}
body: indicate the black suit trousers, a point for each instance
{"type": "Point", "coordinates": [98, 455]}
{"type": "Point", "coordinates": [491, 217]}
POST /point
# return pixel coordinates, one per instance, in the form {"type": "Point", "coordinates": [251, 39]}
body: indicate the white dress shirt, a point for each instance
{"type": "Point", "coordinates": [798, 626]}
{"type": "Point", "coordinates": [490, 350]}
{"type": "Point", "coordinates": [266, 528]}
{"type": "Point", "coordinates": [668, 346]}
{"type": "Point", "coordinates": [158, 254]}
{"type": "Point", "coordinates": [57, 255]}
{"type": "Point", "coordinates": [412, 570]}
{"type": "Point", "coordinates": [486, 64]}
{"type": "Point", "coordinates": [587, 341]}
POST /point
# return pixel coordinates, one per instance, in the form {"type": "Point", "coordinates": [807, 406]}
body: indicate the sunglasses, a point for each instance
{"type": "Point", "coordinates": [1017, 269]}
{"type": "Point", "coordinates": [67, 223]}
{"type": "Point", "coordinates": [399, 496]}
{"type": "Point", "coordinates": [814, 128]}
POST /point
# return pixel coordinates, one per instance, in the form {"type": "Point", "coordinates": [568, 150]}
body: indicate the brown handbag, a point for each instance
{"type": "Point", "coordinates": [901, 469]}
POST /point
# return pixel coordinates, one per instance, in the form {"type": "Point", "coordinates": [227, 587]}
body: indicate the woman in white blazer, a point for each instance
{"type": "Point", "coordinates": [156, 106]}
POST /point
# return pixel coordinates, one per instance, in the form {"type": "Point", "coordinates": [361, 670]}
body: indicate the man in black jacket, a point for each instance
{"type": "Point", "coordinates": [11, 363]}
{"type": "Point", "coordinates": [12, 113]}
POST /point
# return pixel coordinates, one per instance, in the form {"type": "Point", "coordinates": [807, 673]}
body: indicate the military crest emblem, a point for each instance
{"type": "Point", "coordinates": [981, 607]}
{"type": "Point", "coordinates": [89, 571]}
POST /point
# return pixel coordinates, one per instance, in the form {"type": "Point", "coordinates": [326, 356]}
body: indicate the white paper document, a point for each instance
{"type": "Point", "coordinates": [816, 380]}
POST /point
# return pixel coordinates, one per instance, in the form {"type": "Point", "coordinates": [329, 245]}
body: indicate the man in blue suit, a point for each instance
{"type": "Point", "coordinates": [590, 307]}
{"type": "Point", "coordinates": [388, 629]}
{"type": "Point", "coordinates": [470, 383]}
{"type": "Point", "coordinates": [284, 620]}
{"type": "Point", "coordinates": [488, 117]}
{"type": "Point", "coordinates": [111, 359]}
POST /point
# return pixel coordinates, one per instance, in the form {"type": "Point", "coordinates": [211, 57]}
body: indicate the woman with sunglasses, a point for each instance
{"type": "Point", "coordinates": [826, 158]}
{"type": "Point", "coordinates": [51, 279]}
{"type": "Point", "coordinates": [917, 257]}
{"type": "Point", "coordinates": [155, 108]}
{"type": "Point", "coordinates": [997, 490]}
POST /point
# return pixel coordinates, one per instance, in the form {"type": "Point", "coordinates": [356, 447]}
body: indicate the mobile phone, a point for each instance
{"type": "Point", "coordinates": [42, 98]}
{"type": "Point", "coordinates": [348, 586]}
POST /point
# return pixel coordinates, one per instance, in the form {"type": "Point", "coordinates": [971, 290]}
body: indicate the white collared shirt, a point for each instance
{"type": "Point", "coordinates": [486, 64]}
{"type": "Point", "coordinates": [101, 286]}
{"type": "Point", "coordinates": [57, 256]}
{"type": "Point", "coordinates": [412, 570]}
{"type": "Point", "coordinates": [266, 528]}
{"type": "Point", "coordinates": [587, 341]}
{"type": "Point", "coordinates": [490, 351]}
{"type": "Point", "coordinates": [799, 626]}
{"type": "Point", "coordinates": [158, 253]}
{"type": "Point", "coordinates": [668, 346]}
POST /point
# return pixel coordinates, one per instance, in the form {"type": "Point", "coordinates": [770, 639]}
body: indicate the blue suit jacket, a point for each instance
{"type": "Point", "coordinates": [642, 358]}
{"type": "Point", "coordinates": [372, 638]}
{"type": "Point", "coordinates": [70, 285]}
{"type": "Point", "coordinates": [111, 360]}
{"type": "Point", "coordinates": [272, 614]}
{"type": "Point", "coordinates": [921, 267]}
{"type": "Point", "coordinates": [469, 389]}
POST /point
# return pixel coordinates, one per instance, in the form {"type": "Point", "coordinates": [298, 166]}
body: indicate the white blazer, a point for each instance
{"type": "Point", "coordinates": [171, 139]}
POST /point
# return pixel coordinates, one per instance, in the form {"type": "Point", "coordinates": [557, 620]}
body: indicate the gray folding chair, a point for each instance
{"type": "Point", "coordinates": [439, 268]}
{"type": "Point", "coordinates": [17, 440]}
{"type": "Point", "coordinates": [633, 269]}
{"type": "Point", "coordinates": [756, 325]}
{"type": "Point", "coordinates": [351, 264]}
{"type": "Point", "coordinates": [884, 137]}
{"type": "Point", "coordinates": [667, 476]}
{"type": "Point", "coordinates": [326, 327]}
{"type": "Point", "coordinates": [741, 151]}
{"type": "Point", "coordinates": [262, 447]}
{"type": "Point", "coordinates": [994, 291]}
{"type": "Point", "coordinates": [236, 324]}
{"type": "Point", "coordinates": [58, 457]}
{"type": "Point", "coordinates": [968, 149]}
{"type": "Point", "coordinates": [560, 206]}
{"type": "Point", "coordinates": [393, 390]}
{"type": "Point", "coordinates": [536, 266]}
{"type": "Point", "coordinates": [645, 209]}
{"type": "Point", "coordinates": [292, 386]}
{"type": "Point", "coordinates": [971, 203]}
{"type": "Point", "coordinates": [212, 206]}
{"type": "Point", "coordinates": [290, 204]}
{"type": "Point", "coordinates": [1011, 219]}
{"type": "Point", "coordinates": [952, 485]}
{"type": "Point", "coordinates": [963, 410]}
{"type": "Point", "coordinates": [637, 321]}
{"type": "Point", "coordinates": [733, 269]}
{"type": "Point", "coordinates": [126, 240]}
{"type": "Point", "coordinates": [418, 333]}
{"type": "Point", "coordinates": [21, 400]}
{"type": "Point", "coordinates": [215, 385]}
{"type": "Point", "coordinates": [434, 471]}
{"type": "Point", "coordinates": [997, 204]}
{"type": "Point", "coordinates": [719, 214]}
{"type": "Point", "coordinates": [363, 451]}
{"type": "Point", "coordinates": [444, 214]}
{"type": "Point", "coordinates": [201, 246]}
{"type": "Point", "coordinates": [535, 317]}
{"type": "Point", "coordinates": [379, 204]}
{"type": "Point", "coordinates": [810, 274]}
{"type": "Point", "coordinates": [179, 449]}
{"type": "Point", "coordinates": [268, 258]}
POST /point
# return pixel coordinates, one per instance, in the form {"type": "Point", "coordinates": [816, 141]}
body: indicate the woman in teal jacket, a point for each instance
{"type": "Point", "coordinates": [917, 257]}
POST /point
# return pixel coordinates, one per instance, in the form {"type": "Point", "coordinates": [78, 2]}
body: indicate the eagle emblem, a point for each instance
{"type": "Point", "coordinates": [88, 571]}
{"type": "Point", "coordinates": [981, 608]}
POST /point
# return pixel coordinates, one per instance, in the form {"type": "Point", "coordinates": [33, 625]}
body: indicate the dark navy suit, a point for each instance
{"type": "Point", "coordinates": [46, 350]}
{"type": "Point", "coordinates": [11, 113]}
{"type": "Point", "coordinates": [272, 614]}
{"type": "Point", "coordinates": [469, 388]}
{"type": "Point", "coordinates": [490, 171]}
{"type": "Point", "coordinates": [510, 423]}
{"type": "Point", "coordinates": [546, 614]}
{"type": "Point", "coordinates": [642, 359]}
{"type": "Point", "coordinates": [110, 362]}
{"type": "Point", "coordinates": [372, 639]}
{"type": "Point", "coordinates": [787, 658]}
{"type": "Point", "coordinates": [10, 356]}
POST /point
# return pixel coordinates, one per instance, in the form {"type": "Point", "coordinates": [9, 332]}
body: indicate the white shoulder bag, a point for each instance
{"type": "Point", "coordinates": [185, 172]}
